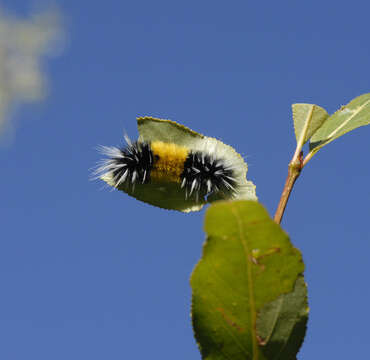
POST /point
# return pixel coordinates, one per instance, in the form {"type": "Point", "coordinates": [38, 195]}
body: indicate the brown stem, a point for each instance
{"type": "Point", "coordinates": [295, 168]}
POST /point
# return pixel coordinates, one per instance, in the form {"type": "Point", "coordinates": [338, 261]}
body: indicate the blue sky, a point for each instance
{"type": "Point", "coordinates": [91, 274]}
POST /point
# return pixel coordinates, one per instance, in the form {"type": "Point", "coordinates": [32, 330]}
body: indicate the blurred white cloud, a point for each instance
{"type": "Point", "coordinates": [23, 46]}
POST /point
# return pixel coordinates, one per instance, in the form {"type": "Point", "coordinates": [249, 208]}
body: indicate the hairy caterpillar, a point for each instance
{"type": "Point", "coordinates": [171, 166]}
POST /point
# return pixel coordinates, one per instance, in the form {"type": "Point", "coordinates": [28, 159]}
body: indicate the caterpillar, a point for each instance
{"type": "Point", "coordinates": [198, 172]}
{"type": "Point", "coordinates": [173, 167]}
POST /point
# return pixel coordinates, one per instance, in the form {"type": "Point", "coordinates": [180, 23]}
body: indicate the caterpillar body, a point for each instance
{"type": "Point", "coordinates": [198, 172]}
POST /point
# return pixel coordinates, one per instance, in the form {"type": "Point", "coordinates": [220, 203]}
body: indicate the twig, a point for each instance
{"type": "Point", "coordinates": [295, 168]}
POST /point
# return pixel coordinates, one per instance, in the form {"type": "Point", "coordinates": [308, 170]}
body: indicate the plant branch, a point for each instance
{"type": "Point", "coordinates": [294, 170]}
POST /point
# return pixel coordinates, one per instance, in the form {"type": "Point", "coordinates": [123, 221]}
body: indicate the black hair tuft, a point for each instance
{"type": "Point", "coordinates": [128, 165]}
{"type": "Point", "coordinates": [205, 175]}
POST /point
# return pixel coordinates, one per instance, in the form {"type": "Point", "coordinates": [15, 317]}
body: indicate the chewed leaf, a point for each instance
{"type": "Point", "coordinates": [248, 263]}
{"type": "Point", "coordinates": [307, 119]}
{"type": "Point", "coordinates": [347, 118]}
{"type": "Point", "coordinates": [153, 129]}
{"type": "Point", "coordinates": [173, 167]}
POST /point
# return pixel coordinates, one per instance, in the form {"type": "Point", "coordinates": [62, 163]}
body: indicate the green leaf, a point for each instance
{"type": "Point", "coordinates": [152, 129]}
{"type": "Point", "coordinates": [307, 119]}
{"type": "Point", "coordinates": [170, 195]}
{"type": "Point", "coordinates": [347, 118]}
{"type": "Point", "coordinates": [247, 263]}
{"type": "Point", "coordinates": [281, 324]}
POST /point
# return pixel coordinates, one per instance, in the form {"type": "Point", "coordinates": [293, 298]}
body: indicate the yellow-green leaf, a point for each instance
{"type": "Point", "coordinates": [347, 118]}
{"type": "Point", "coordinates": [247, 263]}
{"type": "Point", "coordinates": [307, 119]}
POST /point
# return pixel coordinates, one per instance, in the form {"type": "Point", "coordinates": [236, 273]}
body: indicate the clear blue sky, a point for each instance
{"type": "Point", "coordinates": [91, 274]}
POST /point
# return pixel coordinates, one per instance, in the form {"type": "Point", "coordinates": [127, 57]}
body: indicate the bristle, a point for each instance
{"type": "Point", "coordinates": [127, 138]}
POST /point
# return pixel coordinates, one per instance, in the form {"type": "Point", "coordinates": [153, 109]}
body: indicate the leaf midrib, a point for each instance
{"type": "Point", "coordinates": [348, 120]}
{"type": "Point", "coordinates": [250, 283]}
